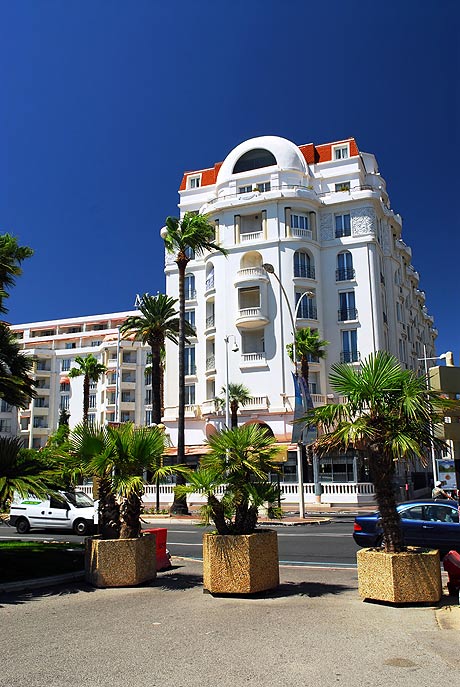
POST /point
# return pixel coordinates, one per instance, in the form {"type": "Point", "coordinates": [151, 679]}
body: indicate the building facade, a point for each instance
{"type": "Point", "coordinates": [123, 394]}
{"type": "Point", "coordinates": [320, 217]}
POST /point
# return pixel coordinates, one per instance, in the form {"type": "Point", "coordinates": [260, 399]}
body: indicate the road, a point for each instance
{"type": "Point", "coordinates": [327, 545]}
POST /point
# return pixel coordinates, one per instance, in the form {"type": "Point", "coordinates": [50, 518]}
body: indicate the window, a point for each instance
{"type": "Point", "coordinates": [64, 386]}
{"type": "Point", "coordinates": [249, 298]}
{"type": "Point", "coordinates": [306, 310]}
{"type": "Point", "coordinates": [5, 407]}
{"type": "Point", "coordinates": [148, 417]}
{"type": "Point", "coordinates": [252, 341]}
{"type": "Point", "coordinates": [126, 416]}
{"type": "Point", "coordinates": [299, 222]}
{"type": "Point", "coordinates": [194, 182]}
{"type": "Point", "coordinates": [341, 152]}
{"type": "Point", "coordinates": [112, 378]}
{"type": "Point", "coordinates": [415, 513]}
{"type": "Point", "coordinates": [350, 352]}
{"type": "Point", "coordinates": [189, 287]}
{"type": "Point", "coordinates": [302, 265]}
{"type": "Point", "coordinates": [190, 253]}
{"type": "Point", "coordinates": [347, 309]}
{"type": "Point", "coordinates": [71, 344]}
{"type": "Point", "coordinates": [343, 186]}
{"type": "Point", "coordinates": [148, 397]}
{"type": "Point", "coordinates": [190, 317]}
{"type": "Point", "coordinates": [189, 360]}
{"type": "Point", "coordinates": [245, 189]}
{"type": "Point", "coordinates": [190, 394]}
{"type": "Point", "coordinates": [92, 400]}
{"type": "Point", "coordinates": [91, 419]}
{"type": "Point", "coordinates": [344, 267]}
{"type": "Point", "coordinates": [64, 402]}
{"type": "Point", "coordinates": [148, 377]}
{"type": "Point", "coordinates": [5, 426]}
{"type": "Point", "coordinates": [129, 357]}
{"type": "Point", "coordinates": [262, 186]}
{"type": "Point", "coordinates": [95, 343]}
{"type": "Point", "coordinates": [342, 226]}
{"type": "Point", "coordinates": [65, 364]}
{"type": "Point", "coordinates": [254, 159]}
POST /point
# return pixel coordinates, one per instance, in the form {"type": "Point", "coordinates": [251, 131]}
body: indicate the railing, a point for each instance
{"type": "Point", "coordinates": [251, 312]}
{"type": "Point", "coordinates": [254, 272]}
{"type": "Point", "coordinates": [253, 358]}
{"type": "Point", "coordinates": [250, 236]}
{"type": "Point", "coordinates": [302, 234]}
{"type": "Point", "coordinates": [190, 294]}
{"type": "Point", "coordinates": [258, 402]}
{"type": "Point", "coordinates": [298, 187]}
{"type": "Point", "coordinates": [350, 357]}
{"type": "Point", "coordinates": [305, 272]}
{"type": "Point", "coordinates": [307, 312]}
{"type": "Point", "coordinates": [210, 321]}
{"type": "Point", "coordinates": [344, 274]}
{"type": "Point", "coordinates": [332, 492]}
{"type": "Point", "coordinates": [209, 284]}
{"type": "Point", "coordinates": [190, 370]}
{"type": "Point", "coordinates": [345, 314]}
{"type": "Point", "coordinates": [210, 363]}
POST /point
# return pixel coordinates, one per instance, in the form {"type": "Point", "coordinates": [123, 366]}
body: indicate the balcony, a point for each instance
{"type": "Point", "coordinates": [345, 314]}
{"type": "Point", "coordinates": [251, 274]}
{"type": "Point", "coordinates": [246, 237]}
{"type": "Point", "coordinates": [210, 323]}
{"type": "Point", "coordinates": [350, 357]}
{"type": "Point", "coordinates": [258, 403]}
{"type": "Point", "coordinates": [210, 364]}
{"type": "Point", "coordinates": [305, 234]}
{"type": "Point", "coordinates": [190, 295]}
{"type": "Point", "coordinates": [345, 274]}
{"type": "Point", "coordinates": [305, 272]}
{"type": "Point", "coordinates": [251, 318]}
{"type": "Point", "coordinates": [253, 360]}
{"type": "Point", "coordinates": [307, 312]}
{"type": "Point", "coordinates": [209, 284]}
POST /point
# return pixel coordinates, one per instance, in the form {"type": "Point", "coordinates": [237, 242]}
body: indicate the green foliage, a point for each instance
{"type": "Point", "coordinates": [238, 395]}
{"type": "Point", "coordinates": [92, 370]}
{"type": "Point", "coordinates": [307, 343]}
{"type": "Point", "coordinates": [22, 471]}
{"type": "Point", "coordinates": [236, 467]}
{"type": "Point", "coordinates": [16, 385]}
{"type": "Point", "coordinates": [193, 231]}
{"type": "Point", "coordinates": [388, 415]}
{"type": "Point", "coordinates": [11, 257]}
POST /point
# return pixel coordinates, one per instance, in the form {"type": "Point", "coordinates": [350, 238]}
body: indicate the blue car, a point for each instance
{"type": "Point", "coordinates": [427, 522]}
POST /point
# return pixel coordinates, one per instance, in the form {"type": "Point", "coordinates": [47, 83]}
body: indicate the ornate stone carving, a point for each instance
{"type": "Point", "coordinates": [362, 221]}
{"type": "Point", "coordinates": [326, 226]}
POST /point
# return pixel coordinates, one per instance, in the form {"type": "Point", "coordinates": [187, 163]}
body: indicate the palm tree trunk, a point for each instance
{"type": "Point", "coordinates": [179, 506]}
{"type": "Point", "coordinates": [130, 513]}
{"type": "Point", "coordinates": [85, 398]}
{"type": "Point", "coordinates": [109, 511]}
{"type": "Point", "coordinates": [156, 384]}
{"type": "Point", "coordinates": [234, 415]}
{"type": "Point", "coordinates": [382, 473]}
{"type": "Point", "coordinates": [157, 489]}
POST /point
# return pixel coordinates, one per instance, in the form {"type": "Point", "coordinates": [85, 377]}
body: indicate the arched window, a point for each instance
{"type": "Point", "coordinates": [190, 253]}
{"type": "Point", "coordinates": [189, 287]}
{"type": "Point", "coordinates": [344, 266]}
{"type": "Point", "coordinates": [303, 265]}
{"type": "Point", "coordinates": [254, 159]}
{"type": "Point", "coordinates": [209, 276]}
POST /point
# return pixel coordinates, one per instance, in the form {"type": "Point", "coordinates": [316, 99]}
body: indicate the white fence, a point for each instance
{"type": "Point", "coordinates": [332, 492]}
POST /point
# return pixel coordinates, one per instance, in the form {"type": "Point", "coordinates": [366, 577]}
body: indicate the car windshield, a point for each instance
{"type": "Point", "coordinates": [79, 499]}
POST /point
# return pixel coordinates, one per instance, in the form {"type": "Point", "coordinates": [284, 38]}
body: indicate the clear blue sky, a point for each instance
{"type": "Point", "coordinates": [106, 103]}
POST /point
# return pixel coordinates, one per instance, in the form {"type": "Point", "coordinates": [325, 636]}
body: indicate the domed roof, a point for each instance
{"type": "Point", "coordinates": [286, 154]}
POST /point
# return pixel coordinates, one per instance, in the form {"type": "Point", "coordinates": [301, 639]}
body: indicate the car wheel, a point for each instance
{"type": "Point", "coordinates": [80, 527]}
{"type": "Point", "coordinates": [22, 526]}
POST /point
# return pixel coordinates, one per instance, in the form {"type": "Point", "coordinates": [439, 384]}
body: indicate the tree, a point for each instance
{"type": "Point", "coordinates": [21, 471]}
{"type": "Point", "coordinates": [91, 370]}
{"type": "Point", "coordinates": [11, 257]}
{"type": "Point", "coordinates": [16, 386]}
{"type": "Point", "coordinates": [307, 345]}
{"type": "Point", "coordinates": [194, 232]}
{"type": "Point", "coordinates": [117, 456]}
{"type": "Point", "coordinates": [388, 416]}
{"type": "Point", "coordinates": [157, 322]}
{"type": "Point", "coordinates": [238, 395]}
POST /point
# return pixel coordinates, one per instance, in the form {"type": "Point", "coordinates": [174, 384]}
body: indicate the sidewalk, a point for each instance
{"type": "Point", "coordinates": [312, 630]}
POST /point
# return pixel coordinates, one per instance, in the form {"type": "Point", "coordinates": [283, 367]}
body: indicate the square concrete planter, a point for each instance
{"type": "Point", "coordinates": [410, 577]}
{"type": "Point", "coordinates": [240, 564]}
{"type": "Point", "coordinates": [120, 562]}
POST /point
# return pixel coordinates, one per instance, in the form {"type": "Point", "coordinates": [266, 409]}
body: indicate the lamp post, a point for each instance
{"type": "Point", "coordinates": [235, 349]}
{"type": "Point", "coordinates": [443, 356]}
{"type": "Point", "coordinates": [293, 316]}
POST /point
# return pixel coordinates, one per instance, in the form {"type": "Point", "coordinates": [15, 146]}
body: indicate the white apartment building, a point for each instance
{"type": "Point", "coordinates": [54, 345]}
{"type": "Point", "coordinates": [321, 216]}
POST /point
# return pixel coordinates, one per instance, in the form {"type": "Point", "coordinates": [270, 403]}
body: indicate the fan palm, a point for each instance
{"type": "Point", "coordinates": [157, 322]}
{"type": "Point", "coordinates": [238, 395]}
{"type": "Point", "coordinates": [21, 471]}
{"type": "Point", "coordinates": [388, 416]}
{"type": "Point", "coordinates": [91, 370]}
{"type": "Point", "coordinates": [117, 456]}
{"type": "Point", "coordinates": [307, 345]}
{"type": "Point", "coordinates": [194, 232]}
{"type": "Point", "coordinates": [11, 257]}
{"type": "Point", "coordinates": [16, 385]}
{"type": "Point", "coordinates": [239, 460]}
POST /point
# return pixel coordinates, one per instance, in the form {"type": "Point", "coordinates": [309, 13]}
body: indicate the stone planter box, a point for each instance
{"type": "Point", "coordinates": [120, 562]}
{"type": "Point", "coordinates": [410, 577]}
{"type": "Point", "coordinates": [240, 564]}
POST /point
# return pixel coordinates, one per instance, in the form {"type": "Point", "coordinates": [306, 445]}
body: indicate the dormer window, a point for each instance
{"type": "Point", "coordinates": [341, 152]}
{"type": "Point", "coordinates": [195, 181]}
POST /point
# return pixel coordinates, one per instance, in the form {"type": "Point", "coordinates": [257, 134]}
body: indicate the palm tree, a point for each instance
{"type": "Point", "coordinates": [117, 456]}
{"type": "Point", "coordinates": [16, 386]}
{"type": "Point", "coordinates": [11, 257]}
{"type": "Point", "coordinates": [157, 322]}
{"type": "Point", "coordinates": [388, 416]}
{"type": "Point", "coordinates": [91, 370]}
{"type": "Point", "coordinates": [238, 395]}
{"type": "Point", "coordinates": [307, 345]}
{"type": "Point", "coordinates": [21, 471]}
{"type": "Point", "coordinates": [240, 459]}
{"type": "Point", "coordinates": [193, 233]}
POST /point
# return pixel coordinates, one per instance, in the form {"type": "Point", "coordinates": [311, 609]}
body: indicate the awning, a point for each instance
{"type": "Point", "coordinates": [189, 451]}
{"type": "Point", "coordinates": [64, 380]}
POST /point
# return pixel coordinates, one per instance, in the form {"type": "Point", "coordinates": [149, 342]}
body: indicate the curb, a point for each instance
{"type": "Point", "coordinates": [26, 585]}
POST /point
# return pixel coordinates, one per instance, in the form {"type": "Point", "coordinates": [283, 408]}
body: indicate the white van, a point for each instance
{"type": "Point", "coordinates": [72, 510]}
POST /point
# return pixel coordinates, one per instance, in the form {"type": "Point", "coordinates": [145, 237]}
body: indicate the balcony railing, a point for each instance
{"type": "Point", "coordinates": [210, 363]}
{"type": "Point", "coordinates": [252, 273]}
{"type": "Point", "coordinates": [250, 358]}
{"type": "Point", "coordinates": [190, 294]}
{"type": "Point", "coordinates": [345, 274]}
{"type": "Point", "coordinates": [350, 357]}
{"type": "Point", "coordinates": [190, 370]}
{"type": "Point", "coordinates": [302, 234]}
{"type": "Point", "coordinates": [209, 283]}
{"type": "Point", "coordinates": [250, 236]}
{"type": "Point", "coordinates": [210, 322]}
{"type": "Point", "coordinates": [307, 312]}
{"type": "Point", "coordinates": [345, 314]}
{"type": "Point", "coordinates": [305, 273]}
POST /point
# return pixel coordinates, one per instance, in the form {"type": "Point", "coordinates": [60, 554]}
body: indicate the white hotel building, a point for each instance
{"type": "Point", "coordinates": [321, 216]}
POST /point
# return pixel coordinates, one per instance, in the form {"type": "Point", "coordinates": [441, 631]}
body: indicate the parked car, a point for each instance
{"type": "Point", "coordinates": [427, 522]}
{"type": "Point", "coordinates": [72, 510]}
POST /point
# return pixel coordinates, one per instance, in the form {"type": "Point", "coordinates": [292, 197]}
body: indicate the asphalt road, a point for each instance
{"type": "Point", "coordinates": [324, 545]}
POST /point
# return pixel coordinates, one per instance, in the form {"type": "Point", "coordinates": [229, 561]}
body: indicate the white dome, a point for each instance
{"type": "Point", "coordinates": [286, 153]}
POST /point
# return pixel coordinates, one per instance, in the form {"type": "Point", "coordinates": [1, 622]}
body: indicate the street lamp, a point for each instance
{"type": "Point", "coordinates": [443, 356]}
{"type": "Point", "coordinates": [293, 316]}
{"type": "Point", "coordinates": [235, 349]}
